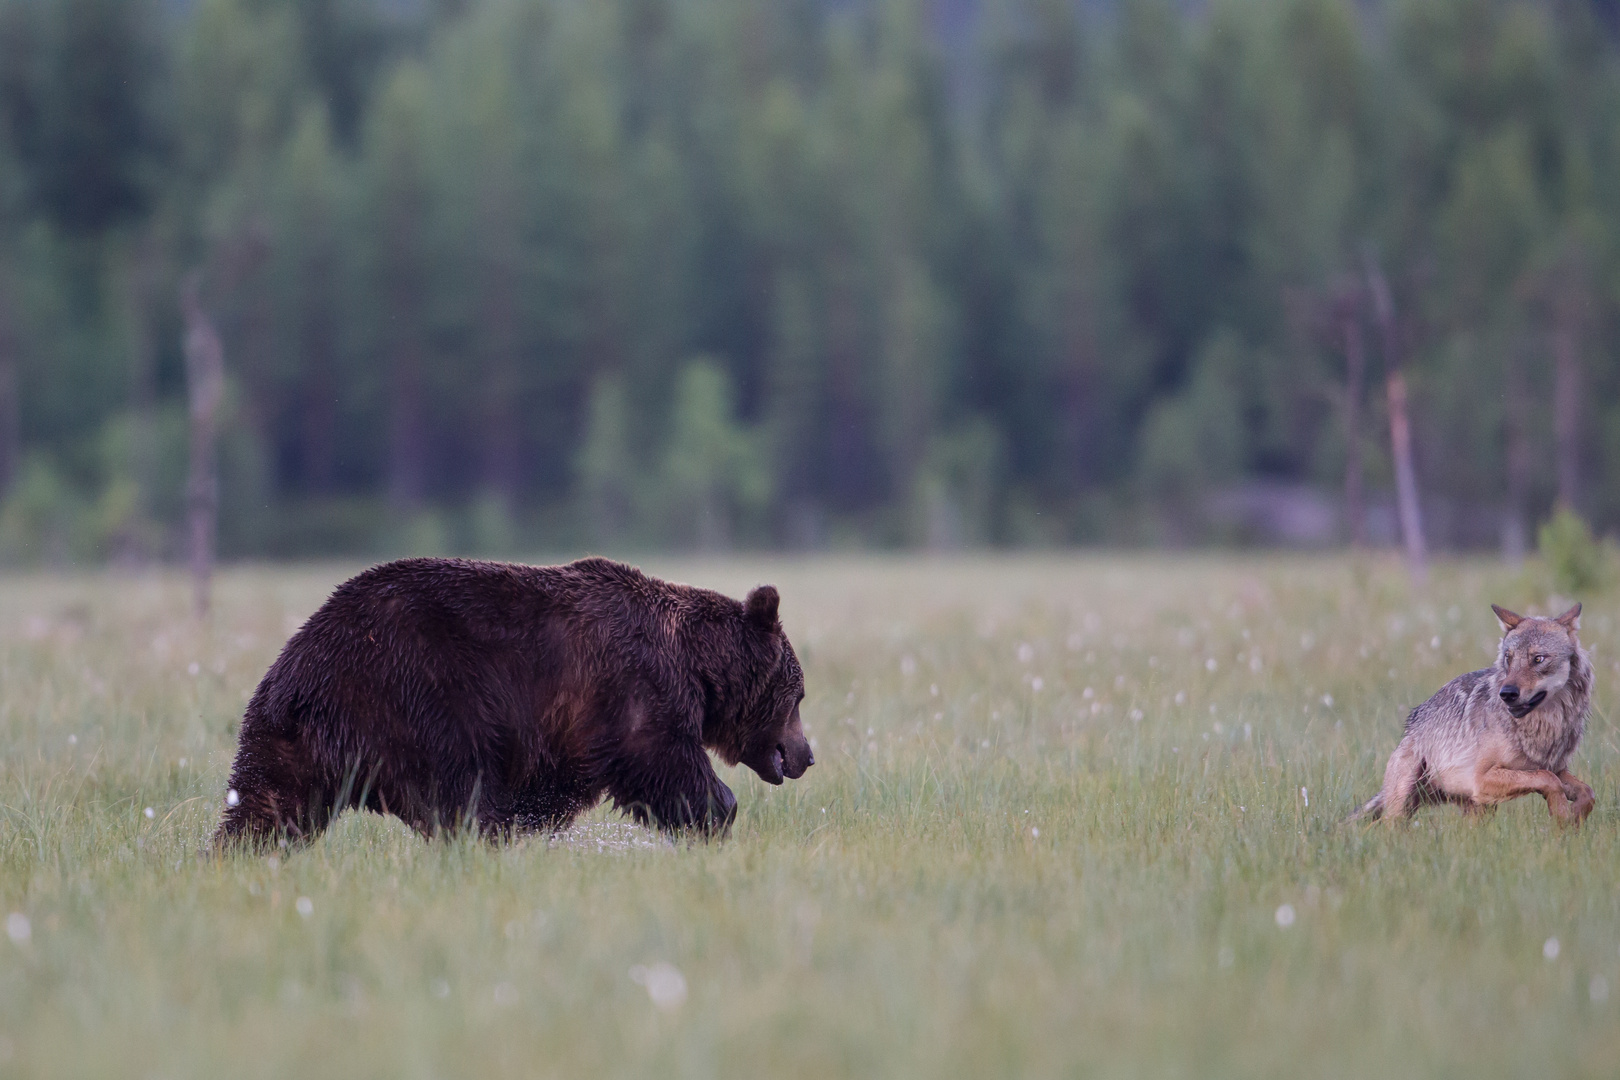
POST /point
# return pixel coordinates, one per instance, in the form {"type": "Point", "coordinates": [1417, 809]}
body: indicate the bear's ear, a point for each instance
{"type": "Point", "coordinates": [1507, 618]}
{"type": "Point", "coordinates": [761, 608]}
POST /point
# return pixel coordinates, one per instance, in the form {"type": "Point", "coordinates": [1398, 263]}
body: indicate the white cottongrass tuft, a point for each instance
{"type": "Point", "coordinates": [1549, 948]}
{"type": "Point", "coordinates": [1327, 700]}
{"type": "Point", "coordinates": [1285, 916]}
{"type": "Point", "coordinates": [193, 668]}
{"type": "Point", "coordinates": [232, 798]}
{"type": "Point", "coordinates": [18, 928]}
{"type": "Point", "coordinates": [150, 813]}
{"type": "Point", "coordinates": [1306, 795]}
{"type": "Point", "coordinates": [1036, 683]}
{"type": "Point", "coordinates": [666, 986]}
{"type": "Point", "coordinates": [1211, 664]}
{"type": "Point", "coordinates": [305, 906]}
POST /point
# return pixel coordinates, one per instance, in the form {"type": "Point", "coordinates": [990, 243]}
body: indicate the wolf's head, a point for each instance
{"type": "Point", "coordinates": [1536, 657]}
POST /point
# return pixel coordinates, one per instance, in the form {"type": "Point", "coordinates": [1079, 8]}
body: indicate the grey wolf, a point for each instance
{"type": "Point", "coordinates": [1499, 733]}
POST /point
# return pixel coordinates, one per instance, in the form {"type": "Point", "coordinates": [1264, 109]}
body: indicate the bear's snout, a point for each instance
{"type": "Point", "coordinates": [796, 756]}
{"type": "Point", "coordinates": [788, 758]}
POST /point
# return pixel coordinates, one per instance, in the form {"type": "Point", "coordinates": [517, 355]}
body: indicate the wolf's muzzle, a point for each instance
{"type": "Point", "coordinates": [1520, 706]}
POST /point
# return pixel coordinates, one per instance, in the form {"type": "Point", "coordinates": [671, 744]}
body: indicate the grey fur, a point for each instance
{"type": "Point", "coordinates": [1440, 758]}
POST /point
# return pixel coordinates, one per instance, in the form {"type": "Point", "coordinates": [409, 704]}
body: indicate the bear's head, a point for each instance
{"type": "Point", "coordinates": [770, 736]}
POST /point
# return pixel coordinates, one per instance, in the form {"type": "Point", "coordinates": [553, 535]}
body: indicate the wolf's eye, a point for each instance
{"type": "Point", "coordinates": [1539, 658]}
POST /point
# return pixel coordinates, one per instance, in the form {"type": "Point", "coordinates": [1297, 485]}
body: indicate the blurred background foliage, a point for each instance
{"type": "Point", "coordinates": [504, 275]}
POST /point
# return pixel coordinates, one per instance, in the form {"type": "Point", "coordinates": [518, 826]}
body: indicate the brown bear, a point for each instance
{"type": "Point", "coordinates": [513, 698]}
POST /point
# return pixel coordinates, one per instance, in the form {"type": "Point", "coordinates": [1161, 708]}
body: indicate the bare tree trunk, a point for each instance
{"type": "Point", "coordinates": [407, 455]}
{"type": "Point", "coordinates": [205, 386]}
{"type": "Point", "coordinates": [1515, 522]}
{"type": "Point", "coordinates": [240, 271]}
{"type": "Point", "coordinates": [10, 410]}
{"type": "Point", "coordinates": [1400, 430]}
{"type": "Point", "coordinates": [1080, 372]}
{"type": "Point", "coordinates": [318, 337]}
{"type": "Point", "coordinates": [501, 437]}
{"type": "Point", "coordinates": [407, 447]}
{"type": "Point", "coordinates": [142, 299]}
{"type": "Point", "coordinates": [1355, 365]}
{"type": "Point", "coordinates": [1567, 395]}
{"type": "Point", "coordinates": [906, 362]}
{"type": "Point", "coordinates": [795, 389]}
{"type": "Point", "coordinates": [849, 469]}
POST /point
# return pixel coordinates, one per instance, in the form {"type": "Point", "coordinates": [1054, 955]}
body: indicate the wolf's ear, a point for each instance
{"type": "Point", "coordinates": [1506, 618]}
{"type": "Point", "coordinates": [761, 608]}
{"type": "Point", "coordinates": [1571, 619]}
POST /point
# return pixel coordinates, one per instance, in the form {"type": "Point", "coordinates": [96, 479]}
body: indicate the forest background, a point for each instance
{"type": "Point", "coordinates": [522, 275]}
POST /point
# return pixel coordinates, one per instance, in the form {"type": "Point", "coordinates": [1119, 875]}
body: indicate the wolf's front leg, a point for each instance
{"type": "Point", "coordinates": [1499, 784]}
{"type": "Point", "coordinates": [1579, 793]}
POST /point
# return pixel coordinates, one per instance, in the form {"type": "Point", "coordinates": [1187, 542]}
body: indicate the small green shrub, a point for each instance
{"type": "Point", "coordinates": [1579, 562]}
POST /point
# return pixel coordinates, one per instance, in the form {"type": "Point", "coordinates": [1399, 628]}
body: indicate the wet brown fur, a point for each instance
{"type": "Point", "coordinates": [1496, 734]}
{"type": "Point", "coordinates": [513, 698]}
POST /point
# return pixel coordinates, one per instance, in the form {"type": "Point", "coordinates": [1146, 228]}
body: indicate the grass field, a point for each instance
{"type": "Point", "coordinates": [1070, 817]}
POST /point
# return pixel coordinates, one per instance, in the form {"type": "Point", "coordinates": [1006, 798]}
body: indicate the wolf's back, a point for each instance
{"type": "Point", "coordinates": [1447, 711]}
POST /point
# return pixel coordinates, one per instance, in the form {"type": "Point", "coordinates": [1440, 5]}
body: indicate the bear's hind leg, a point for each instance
{"type": "Point", "coordinates": [548, 807]}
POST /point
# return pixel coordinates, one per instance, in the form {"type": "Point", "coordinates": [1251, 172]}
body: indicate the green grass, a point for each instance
{"type": "Point", "coordinates": [984, 874]}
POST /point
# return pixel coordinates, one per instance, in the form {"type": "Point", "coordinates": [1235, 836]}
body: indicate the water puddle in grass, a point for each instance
{"type": "Point", "coordinates": [608, 836]}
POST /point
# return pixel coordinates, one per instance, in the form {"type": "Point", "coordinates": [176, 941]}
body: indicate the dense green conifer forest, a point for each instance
{"type": "Point", "coordinates": [500, 275]}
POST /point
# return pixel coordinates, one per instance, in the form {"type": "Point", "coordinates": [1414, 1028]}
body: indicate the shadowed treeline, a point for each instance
{"type": "Point", "coordinates": [498, 275]}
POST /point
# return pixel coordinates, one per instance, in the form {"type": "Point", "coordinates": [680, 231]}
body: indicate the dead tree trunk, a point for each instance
{"type": "Point", "coordinates": [1355, 374]}
{"type": "Point", "coordinates": [1400, 430]}
{"type": "Point", "coordinates": [407, 441]}
{"type": "Point", "coordinates": [142, 300]}
{"type": "Point", "coordinates": [10, 410]}
{"type": "Point", "coordinates": [1566, 349]}
{"type": "Point", "coordinates": [205, 386]}
{"type": "Point", "coordinates": [500, 446]}
{"type": "Point", "coordinates": [1515, 523]}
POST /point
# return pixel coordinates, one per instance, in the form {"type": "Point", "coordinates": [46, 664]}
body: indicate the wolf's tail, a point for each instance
{"type": "Point", "coordinates": [1371, 810]}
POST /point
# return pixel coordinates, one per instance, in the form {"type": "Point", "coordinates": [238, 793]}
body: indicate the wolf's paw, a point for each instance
{"type": "Point", "coordinates": [1569, 811]}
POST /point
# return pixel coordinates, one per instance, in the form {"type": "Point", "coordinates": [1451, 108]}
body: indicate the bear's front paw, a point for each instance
{"type": "Point", "coordinates": [719, 811]}
{"type": "Point", "coordinates": [725, 806]}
